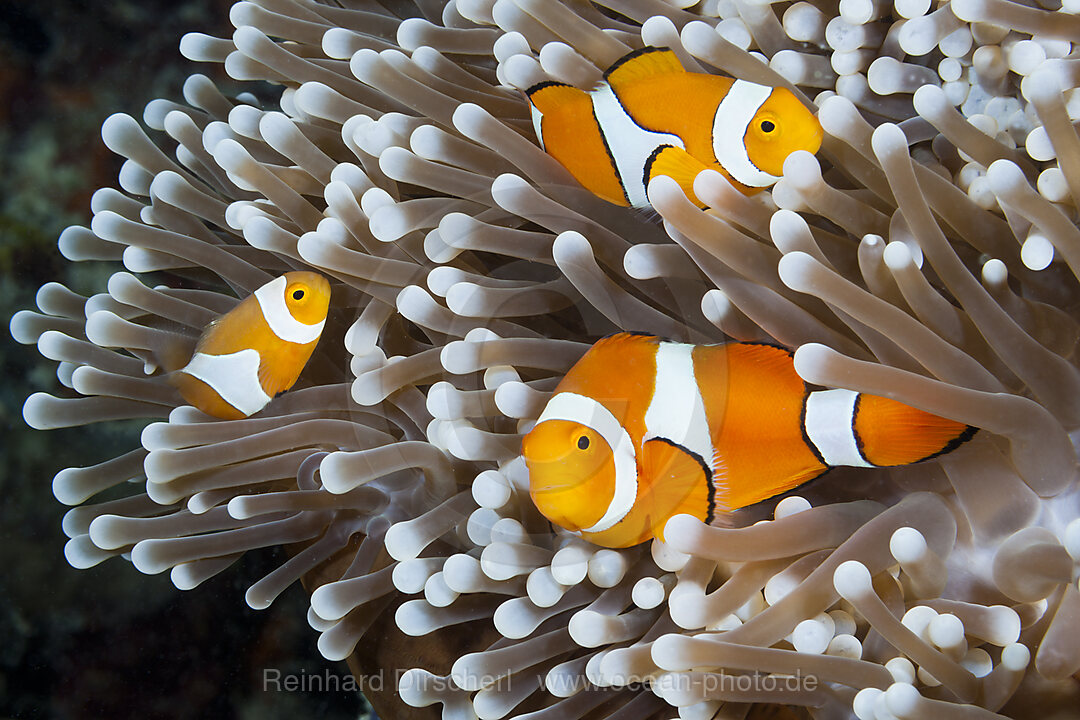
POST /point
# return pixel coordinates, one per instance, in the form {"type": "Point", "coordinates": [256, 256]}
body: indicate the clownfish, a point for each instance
{"type": "Point", "coordinates": [642, 429]}
{"type": "Point", "coordinates": [651, 117]}
{"type": "Point", "coordinates": [256, 350]}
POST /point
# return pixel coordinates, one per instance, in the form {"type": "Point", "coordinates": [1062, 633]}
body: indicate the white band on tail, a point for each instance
{"type": "Point", "coordinates": [271, 298]}
{"type": "Point", "coordinates": [538, 127]}
{"type": "Point", "coordinates": [235, 377]}
{"type": "Point", "coordinates": [588, 412]}
{"type": "Point", "coordinates": [830, 425]}
{"type": "Point", "coordinates": [733, 116]}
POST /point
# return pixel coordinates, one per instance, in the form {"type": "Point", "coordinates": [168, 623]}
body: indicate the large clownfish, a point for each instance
{"type": "Point", "coordinates": [642, 429]}
{"type": "Point", "coordinates": [650, 117]}
{"type": "Point", "coordinates": [256, 350]}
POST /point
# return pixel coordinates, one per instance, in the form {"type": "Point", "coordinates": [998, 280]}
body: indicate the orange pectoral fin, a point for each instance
{"type": "Point", "coordinates": [281, 365]}
{"type": "Point", "coordinates": [678, 165]}
{"type": "Point", "coordinates": [679, 482]}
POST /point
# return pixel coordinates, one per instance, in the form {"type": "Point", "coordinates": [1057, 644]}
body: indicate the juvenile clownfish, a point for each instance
{"type": "Point", "coordinates": [256, 350]}
{"type": "Point", "coordinates": [650, 117]}
{"type": "Point", "coordinates": [642, 429]}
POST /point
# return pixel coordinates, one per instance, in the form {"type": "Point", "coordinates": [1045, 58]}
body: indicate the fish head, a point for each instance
{"type": "Point", "coordinates": [781, 126]}
{"type": "Point", "coordinates": [307, 296]}
{"type": "Point", "coordinates": [571, 472]}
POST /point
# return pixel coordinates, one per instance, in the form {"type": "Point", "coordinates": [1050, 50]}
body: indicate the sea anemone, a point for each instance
{"type": "Point", "coordinates": [928, 254]}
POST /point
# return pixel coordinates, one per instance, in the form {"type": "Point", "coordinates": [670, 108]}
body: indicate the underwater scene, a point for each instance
{"type": "Point", "coordinates": [546, 359]}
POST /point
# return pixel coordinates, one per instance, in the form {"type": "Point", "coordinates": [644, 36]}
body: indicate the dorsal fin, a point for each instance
{"type": "Point", "coordinates": [641, 64]}
{"type": "Point", "coordinates": [773, 360]}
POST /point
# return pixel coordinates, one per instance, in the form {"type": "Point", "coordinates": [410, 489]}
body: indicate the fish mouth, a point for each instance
{"type": "Point", "coordinates": [549, 488]}
{"type": "Point", "coordinates": [550, 500]}
{"type": "Point", "coordinates": [552, 477]}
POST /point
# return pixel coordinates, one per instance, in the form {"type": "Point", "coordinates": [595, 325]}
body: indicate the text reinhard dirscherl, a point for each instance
{"type": "Point", "coordinates": [717, 685]}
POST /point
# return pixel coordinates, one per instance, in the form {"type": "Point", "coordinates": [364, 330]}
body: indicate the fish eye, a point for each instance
{"type": "Point", "coordinates": [298, 295]}
{"type": "Point", "coordinates": [583, 443]}
{"type": "Point", "coordinates": [767, 126]}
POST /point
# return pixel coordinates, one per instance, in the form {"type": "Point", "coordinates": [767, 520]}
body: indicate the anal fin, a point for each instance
{"type": "Point", "coordinates": [738, 489]}
{"type": "Point", "coordinates": [678, 165]}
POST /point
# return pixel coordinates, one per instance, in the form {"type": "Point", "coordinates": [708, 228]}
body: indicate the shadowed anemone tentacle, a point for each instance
{"type": "Point", "coordinates": [929, 253]}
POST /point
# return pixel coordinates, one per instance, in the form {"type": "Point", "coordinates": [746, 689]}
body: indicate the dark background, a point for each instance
{"type": "Point", "coordinates": [108, 641]}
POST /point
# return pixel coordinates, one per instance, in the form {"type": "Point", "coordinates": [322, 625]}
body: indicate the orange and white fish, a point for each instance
{"type": "Point", "coordinates": [650, 117]}
{"type": "Point", "coordinates": [256, 350]}
{"type": "Point", "coordinates": [642, 429]}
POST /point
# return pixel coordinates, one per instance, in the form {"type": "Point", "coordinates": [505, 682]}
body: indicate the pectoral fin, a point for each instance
{"type": "Point", "coordinates": [679, 482]}
{"type": "Point", "coordinates": [678, 165]}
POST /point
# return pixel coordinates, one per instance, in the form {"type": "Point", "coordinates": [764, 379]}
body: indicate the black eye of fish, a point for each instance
{"type": "Point", "coordinates": [767, 126]}
{"type": "Point", "coordinates": [298, 295]}
{"type": "Point", "coordinates": [583, 443]}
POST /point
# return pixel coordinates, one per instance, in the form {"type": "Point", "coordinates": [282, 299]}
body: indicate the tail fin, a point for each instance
{"type": "Point", "coordinates": [548, 95]}
{"type": "Point", "coordinates": [892, 433]}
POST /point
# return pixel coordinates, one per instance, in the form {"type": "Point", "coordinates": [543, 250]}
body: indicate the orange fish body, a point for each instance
{"type": "Point", "coordinates": [256, 350]}
{"type": "Point", "coordinates": [650, 117]}
{"type": "Point", "coordinates": [642, 429]}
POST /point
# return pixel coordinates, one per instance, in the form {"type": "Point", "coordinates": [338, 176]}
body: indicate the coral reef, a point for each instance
{"type": "Point", "coordinates": [929, 254]}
